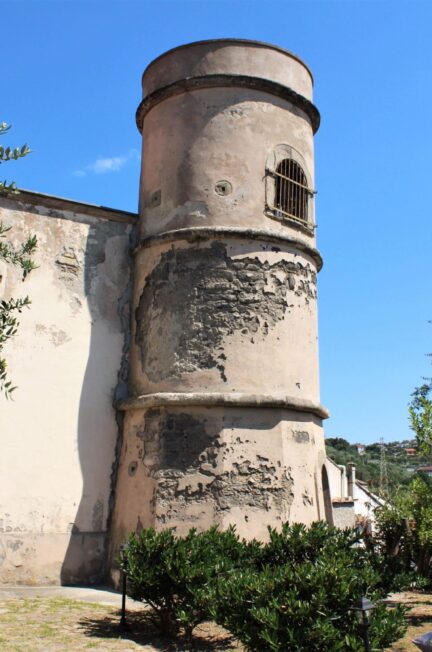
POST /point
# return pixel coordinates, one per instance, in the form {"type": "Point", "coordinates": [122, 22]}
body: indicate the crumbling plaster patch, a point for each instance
{"type": "Point", "coordinates": [194, 299]}
{"type": "Point", "coordinates": [192, 463]}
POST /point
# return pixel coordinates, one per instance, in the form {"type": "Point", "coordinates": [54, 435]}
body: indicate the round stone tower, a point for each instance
{"type": "Point", "coordinates": [223, 424]}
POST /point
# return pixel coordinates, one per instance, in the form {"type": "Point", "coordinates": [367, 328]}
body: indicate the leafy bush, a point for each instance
{"type": "Point", "coordinates": [300, 596]}
{"type": "Point", "coordinates": [293, 593]}
{"type": "Point", "coordinates": [403, 538]}
{"type": "Point", "coordinates": [173, 574]}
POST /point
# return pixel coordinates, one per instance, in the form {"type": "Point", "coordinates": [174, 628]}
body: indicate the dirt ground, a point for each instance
{"type": "Point", "coordinates": [419, 618]}
{"type": "Point", "coordinates": [49, 624]}
{"type": "Point", "coordinates": [52, 624]}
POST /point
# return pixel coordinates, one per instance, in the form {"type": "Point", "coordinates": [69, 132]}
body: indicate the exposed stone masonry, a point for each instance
{"type": "Point", "coordinates": [215, 296]}
{"type": "Point", "coordinates": [189, 459]}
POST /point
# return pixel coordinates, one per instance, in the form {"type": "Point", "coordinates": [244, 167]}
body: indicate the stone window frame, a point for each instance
{"type": "Point", "coordinates": [276, 156]}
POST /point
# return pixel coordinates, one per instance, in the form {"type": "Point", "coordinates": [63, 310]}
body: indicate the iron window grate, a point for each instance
{"type": "Point", "coordinates": [291, 193]}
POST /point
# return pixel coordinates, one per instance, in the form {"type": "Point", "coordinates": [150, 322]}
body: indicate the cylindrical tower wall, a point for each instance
{"type": "Point", "coordinates": [223, 424]}
{"type": "Point", "coordinates": [193, 141]}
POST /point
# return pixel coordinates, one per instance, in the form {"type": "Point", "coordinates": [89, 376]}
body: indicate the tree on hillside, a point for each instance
{"type": "Point", "coordinates": [405, 524]}
{"type": "Point", "coordinates": [20, 256]}
{"type": "Point", "coordinates": [420, 411]}
{"type": "Point", "coordinates": [339, 443]}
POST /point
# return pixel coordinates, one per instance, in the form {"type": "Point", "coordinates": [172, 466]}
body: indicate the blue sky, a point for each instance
{"type": "Point", "coordinates": [71, 84]}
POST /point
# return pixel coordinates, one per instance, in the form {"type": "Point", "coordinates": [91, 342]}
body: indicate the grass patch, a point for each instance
{"type": "Point", "coordinates": [45, 631]}
{"type": "Point", "coordinates": [52, 624]}
{"type": "Point", "coordinates": [49, 625]}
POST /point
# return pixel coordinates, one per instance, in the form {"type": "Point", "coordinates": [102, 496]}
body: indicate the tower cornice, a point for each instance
{"type": "Point", "coordinates": [195, 234]}
{"type": "Point", "coordinates": [268, 86]}
{"type": "Point", "coordinates": [223, 399]}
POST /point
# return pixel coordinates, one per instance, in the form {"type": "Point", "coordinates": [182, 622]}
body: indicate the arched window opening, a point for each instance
{"type": "Point", "coordinates": [291, 190]}
{"type": "Point", "coordinates": [288, 190]}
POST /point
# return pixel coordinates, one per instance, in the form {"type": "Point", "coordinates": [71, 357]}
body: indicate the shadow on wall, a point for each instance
{"type": "Point", "coordinates": [328, 510]}
{"type": "Point", "coordinates": [105, 275]}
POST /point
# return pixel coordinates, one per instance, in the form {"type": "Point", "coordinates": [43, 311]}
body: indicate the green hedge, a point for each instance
{"type": "Point", "coordinates": [293, 593]}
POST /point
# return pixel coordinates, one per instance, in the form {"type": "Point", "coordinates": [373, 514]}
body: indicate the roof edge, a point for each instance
{"type": "Point", "coordinates": [62, 203]}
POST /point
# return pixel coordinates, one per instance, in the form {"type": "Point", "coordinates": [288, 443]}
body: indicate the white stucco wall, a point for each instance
{"type": "Point", "coordinates": [348, 510]}
{"type": "Point", "coordinates": [366, 503]}
{"type": "Point", "coordinates": [59, 432]}
{"type": "Point", "coordinates": [337, 479]}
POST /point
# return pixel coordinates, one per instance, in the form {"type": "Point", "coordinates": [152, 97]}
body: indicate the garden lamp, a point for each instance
{"type": "Point", "coordinates": [363, 608]}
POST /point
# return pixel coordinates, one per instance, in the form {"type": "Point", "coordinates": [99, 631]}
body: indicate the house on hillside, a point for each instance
{"type": "Point", "coordinates": [352, 502]}
{"type": "Point", "coordinates": [410, 452]}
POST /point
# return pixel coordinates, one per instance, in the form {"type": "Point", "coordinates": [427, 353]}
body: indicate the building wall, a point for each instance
{"type": "Point", "coordinates": [349, 509]}
{"type": "Point", "coordinates": [59, 433]}
{"type": "Point", "coordinates": [344, 513]}
{"type": "Point", "coordinates": [337, 479]}
{"type": "Point", "coordinates": [222, 416]}
{"type": "Point", "coordinates": [187, 466]}
{"type": "Point", "coordinates": [365, 504]}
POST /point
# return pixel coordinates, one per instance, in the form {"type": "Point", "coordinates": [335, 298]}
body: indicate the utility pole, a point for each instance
{"type": "Point", "coordinates": [383, 486]}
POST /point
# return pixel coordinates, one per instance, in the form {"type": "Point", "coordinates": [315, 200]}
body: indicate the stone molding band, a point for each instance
{"type": "Point", "coordinates": [221, 399]}
{"type": "Point", "coordinates": [228, 81]}
{"type": "Point", "coordinates": [195, 234]}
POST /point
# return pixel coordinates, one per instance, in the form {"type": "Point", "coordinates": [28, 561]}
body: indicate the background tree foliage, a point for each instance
{"type": "Point", "coordinates": [420, 412]}
{"type": "Point", "coordinates": [404, 534]}
{"type": "Point", "coordinates": [19, 256]}
{"type": "Point", "coordinates": [368, 464]}
{"type": "Point", "coordinates": [404, 526]}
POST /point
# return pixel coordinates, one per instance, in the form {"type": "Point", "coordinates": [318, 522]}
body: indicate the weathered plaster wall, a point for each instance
{"type": "Point", "coordinates": [223, 420]}
{"type": "Point", "coordinates": [59, 433]}
{"type": "Point", "coordinates": [188, 467]}
{"type": "Point", "coordinates": [191, 142]}
{"type": "Point", "coordinates": [228, 315]}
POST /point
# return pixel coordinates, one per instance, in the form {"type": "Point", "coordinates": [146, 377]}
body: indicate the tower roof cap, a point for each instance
{"type": "Point", "coordinates": [231, 41]}
{"type": "Point", "coordinates": [232, 58]}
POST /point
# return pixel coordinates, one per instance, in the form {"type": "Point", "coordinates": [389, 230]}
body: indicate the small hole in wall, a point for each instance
{"type": "Point", "coordinates": [156, 198]}
{"type": "Point", "coordinates": [132, 468]}
{"type": "Point", "coordinates": [223, 188]}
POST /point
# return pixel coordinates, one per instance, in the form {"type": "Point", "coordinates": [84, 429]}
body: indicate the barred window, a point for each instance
{"type": "Point", "coordinates": [288, 188]}
{"type": "Point", "coordinates": [291, 190]}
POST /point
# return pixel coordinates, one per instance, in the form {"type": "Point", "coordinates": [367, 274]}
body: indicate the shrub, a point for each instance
{"type": "Point", "coordinates": [293, 593]}
{"type": "Point", "coordinates": [173, 574]}
{"type": "Point", "coordinates": [300, 595]}
{"type": "Point", "coordinates": [402, 543]}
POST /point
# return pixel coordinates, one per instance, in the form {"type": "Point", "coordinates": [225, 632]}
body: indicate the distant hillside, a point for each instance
{"type": "Point", "coordinates": [400, 466]}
